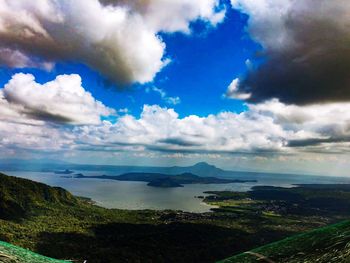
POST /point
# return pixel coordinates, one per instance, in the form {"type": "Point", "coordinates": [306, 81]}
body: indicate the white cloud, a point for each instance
{"type": "Point", "coordinates": [176, 15]}
{"type": "Point", "coordinates": [173, 100]}
{"type": "Point", "coordinates": [62, 100]}
{"type": "Point", "coordinates": [17, 136]}
{"type": "Point", "coordinates": [117, 38]}
{"type": "Point", "coordinates": [273, 23]}
{"type": "Point", "coordinates": [267, 20]}
{"type": "Point", "coordinates": [317, 123]}
{"type": "Point", "coordinates": [233, 92]}
{"type": "Point", "coordinates": [167, 99]}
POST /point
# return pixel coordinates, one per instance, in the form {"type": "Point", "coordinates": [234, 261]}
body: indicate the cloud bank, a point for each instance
{"type": "Point", "coordinates": [306, 47]}
{"type": "Point", "coordinates": [61, 116]}
{"type": "Point", "coordinates": [270, 127]}
{"type": "Point", "coordinates": [119, 39]}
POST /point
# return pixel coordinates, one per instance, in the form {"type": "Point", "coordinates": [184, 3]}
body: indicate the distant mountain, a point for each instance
{"type": "Point", "coordinates": [32, 165]}
{"type": "Point", "coordinates": [32, 161]}
{"type": "Point", "coordinates": [201, 169]}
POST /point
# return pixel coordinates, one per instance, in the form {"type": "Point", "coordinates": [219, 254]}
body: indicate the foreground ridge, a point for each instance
{"type": "Point", "coordinates": [323, 245]}
{"type": "Point", "coordinates": [13, 254]}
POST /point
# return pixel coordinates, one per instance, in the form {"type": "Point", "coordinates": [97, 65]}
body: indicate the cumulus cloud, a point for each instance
{"type": "Point", "coordinates": [62, 100]}
{"type": "Point", "coordinates": [306, 48]}
{"type": "Point", "coordinates": [119, 39]}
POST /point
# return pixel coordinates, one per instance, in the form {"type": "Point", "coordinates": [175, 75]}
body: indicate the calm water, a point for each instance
{"type": "Point", "coordinates": [137, 195]}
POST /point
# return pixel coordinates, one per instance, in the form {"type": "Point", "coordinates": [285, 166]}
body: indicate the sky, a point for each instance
{"type": "Point", "coordinates": [253, 85]}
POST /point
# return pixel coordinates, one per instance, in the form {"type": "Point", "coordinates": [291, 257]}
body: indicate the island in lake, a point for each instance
{"type": "Point", "coordinates": [66, 171]}
{"type": "Point", "coordinates": [165, 180]}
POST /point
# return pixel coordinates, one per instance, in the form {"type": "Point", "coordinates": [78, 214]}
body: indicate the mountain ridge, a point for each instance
{"type": "Point", "coordinates": [201, 168]}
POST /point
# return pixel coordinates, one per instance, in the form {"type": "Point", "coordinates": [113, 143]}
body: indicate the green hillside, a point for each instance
{"type": "Point", "coordinates": [18, 197]}
{"type": "Point", "coordinates": [324, 245]}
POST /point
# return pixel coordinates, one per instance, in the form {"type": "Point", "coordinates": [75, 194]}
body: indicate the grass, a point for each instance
{"type": "Point", "coordinates": [13, 254]}
{"type": "Point", "coordinates": [325, 245]}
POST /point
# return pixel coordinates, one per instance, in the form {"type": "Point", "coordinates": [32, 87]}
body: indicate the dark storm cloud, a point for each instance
{"type": "Point", "coordinates": [179, 142]}
{"type": "Point", "coordinates": [316, 141]}
{"type": "Point", "coordinates": [309, 59]}
{"type": "Point", "coordinates": [47, 116]}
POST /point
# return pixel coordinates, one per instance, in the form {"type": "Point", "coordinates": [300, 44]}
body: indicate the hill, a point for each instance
{"type": "Point", "coordinates": [324, 245]}
{"type": "Point", "coordinates": [19, 196]}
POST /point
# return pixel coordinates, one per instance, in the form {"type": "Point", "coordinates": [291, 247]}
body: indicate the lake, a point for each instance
{"type": "Point", "coordinates": [137, 195]}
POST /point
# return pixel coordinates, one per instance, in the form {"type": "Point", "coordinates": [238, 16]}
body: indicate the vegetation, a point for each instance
{"type": "Point", "coordinates": [13, 254]}
{"type": "Point", "coordinates": [52, 222]}
{"type": "Point", "coordinates": [325, 245]}
{"type": "Point", "coordinates": [330, 201]}
{"type": "Point", "coordinates": [19, 197]}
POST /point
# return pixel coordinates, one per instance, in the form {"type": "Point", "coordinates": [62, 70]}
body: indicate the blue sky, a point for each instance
{"type": "Point", "coordinates": [244, 84]}
{"type": "Point", "coordinates": [202, 65]}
